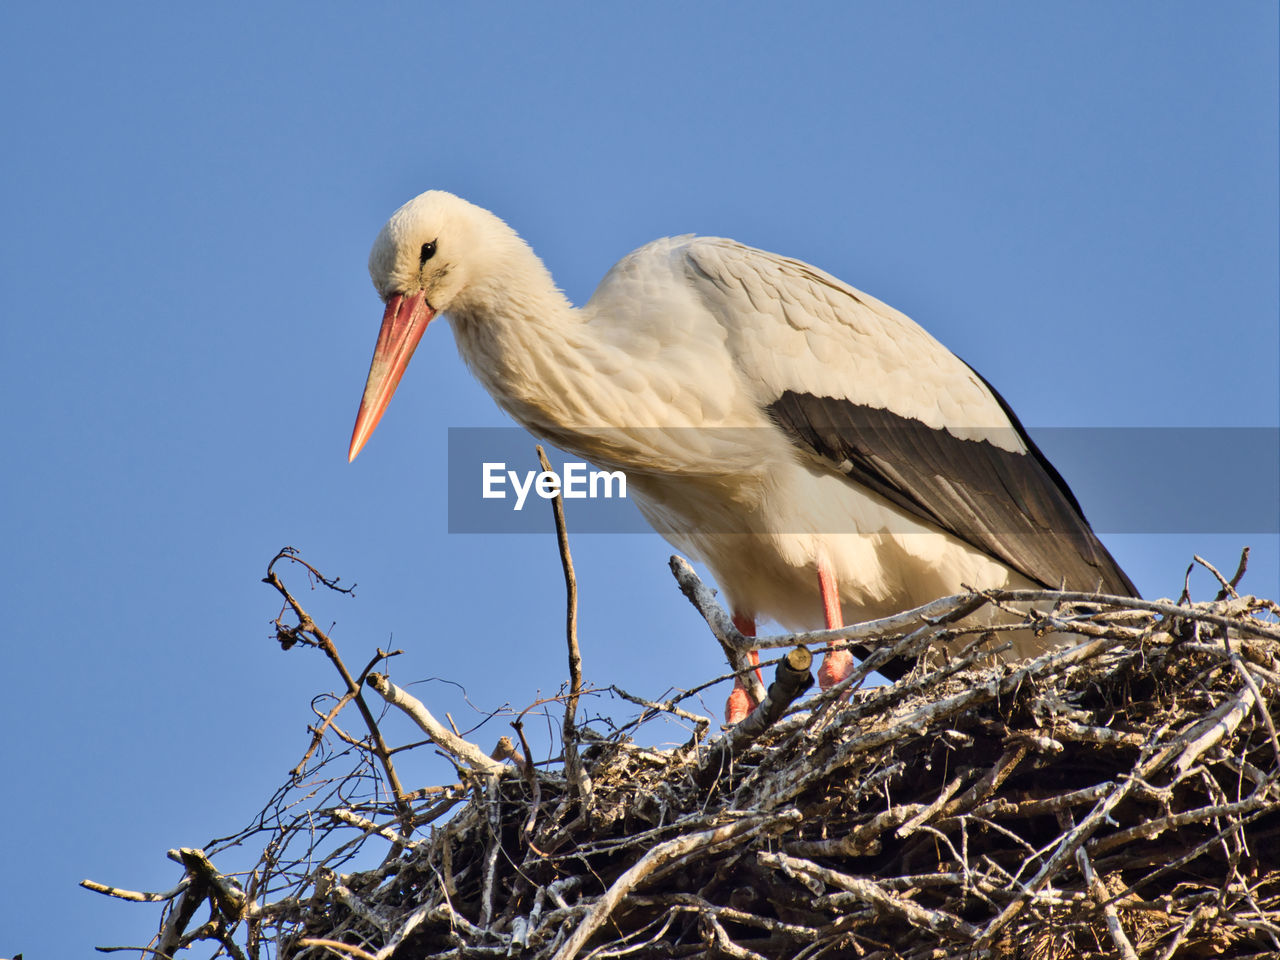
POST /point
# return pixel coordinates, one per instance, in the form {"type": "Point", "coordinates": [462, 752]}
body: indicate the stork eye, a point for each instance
{"type": "Point", "coordinates": [428, 251]}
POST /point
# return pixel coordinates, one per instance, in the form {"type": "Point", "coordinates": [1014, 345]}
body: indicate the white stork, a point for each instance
{"type": "Point", "coordinates": [818, 450]}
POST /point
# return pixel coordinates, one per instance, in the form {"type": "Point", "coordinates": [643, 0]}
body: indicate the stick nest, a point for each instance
{"type": "Point", "coordinates": [1118, 796]}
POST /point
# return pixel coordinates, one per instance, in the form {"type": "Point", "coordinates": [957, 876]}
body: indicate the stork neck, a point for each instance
{"type": "Point", "coordinates": [526, 343]}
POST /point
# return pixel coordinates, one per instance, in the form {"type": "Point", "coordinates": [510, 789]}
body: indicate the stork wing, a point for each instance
{"type": "Point", "coordinates": [869, 393]}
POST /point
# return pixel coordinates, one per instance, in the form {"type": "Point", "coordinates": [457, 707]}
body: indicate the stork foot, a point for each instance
{"type": "Point", "coordinates": [836, 665]}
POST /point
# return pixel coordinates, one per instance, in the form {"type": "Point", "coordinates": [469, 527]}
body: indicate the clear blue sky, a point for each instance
{"type": "Point", "coordinates": [1079, 199]}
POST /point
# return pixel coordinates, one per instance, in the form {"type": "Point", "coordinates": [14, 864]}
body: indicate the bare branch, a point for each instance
{"type": "Point", "coordinates": [572, 764]}
{"type": "Point", "coordinates": [307, 626]}
{"type": "Point", "coordinates": [661, 857]}
{"type": "Point", "coordinates": [444, 738]}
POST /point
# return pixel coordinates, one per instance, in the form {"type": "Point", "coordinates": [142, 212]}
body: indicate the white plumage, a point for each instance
{"type": "Point", "coordinates": [772, 420]}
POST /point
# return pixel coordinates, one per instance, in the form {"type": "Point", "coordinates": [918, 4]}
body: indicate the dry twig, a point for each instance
{"type": "Point", "coordinates": [578, 780]}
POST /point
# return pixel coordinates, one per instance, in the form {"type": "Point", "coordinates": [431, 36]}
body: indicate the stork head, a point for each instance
{"type": "Point", "coordinates": [433, 254]}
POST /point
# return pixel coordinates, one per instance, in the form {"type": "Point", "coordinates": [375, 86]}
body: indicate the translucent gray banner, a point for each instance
{"type": "Point", "coordinates": [1127, 479]}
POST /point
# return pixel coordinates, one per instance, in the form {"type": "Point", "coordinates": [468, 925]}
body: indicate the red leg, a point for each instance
{"type": "Point", "coordinates": [740, 702]}
{"type": "Point", "coordinates": [837, 664]}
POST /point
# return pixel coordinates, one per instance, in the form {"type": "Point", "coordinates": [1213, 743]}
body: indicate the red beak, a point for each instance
{"type": "Point", "coordinates": [403, 325]}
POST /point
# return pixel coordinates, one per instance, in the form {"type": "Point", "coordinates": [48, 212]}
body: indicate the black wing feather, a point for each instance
{"type": "Point", "coordinates": [1014, 507]}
